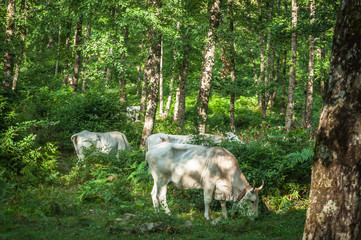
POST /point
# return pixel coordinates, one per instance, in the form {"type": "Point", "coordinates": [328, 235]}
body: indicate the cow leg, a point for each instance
{"type": "Point", "coordinates": [207, 203]}
{"type": "Point", "coordinates": [224, 209]}
{"type": "Point", "coordinates": [154, 195]}
{"type": "Point", "coordinates": [163, 197]}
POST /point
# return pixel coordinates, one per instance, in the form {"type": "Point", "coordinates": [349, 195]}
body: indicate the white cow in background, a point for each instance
{"type": "Point", "coordinates": [215, 170]}
{"type": "Point", "coordinates": [133, 112]}
{"type": "Point", "coordinates": [104, 142]}
{"type": "Point", "coordinates": [155, 139]}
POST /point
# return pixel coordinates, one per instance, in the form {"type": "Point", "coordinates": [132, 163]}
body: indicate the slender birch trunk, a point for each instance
{"type": "Point", "coordinates": [9, 56]}
{"type": "Point", "coordinates": [311, 71]}
{"type": "Point", "coordinates": [292, 77]}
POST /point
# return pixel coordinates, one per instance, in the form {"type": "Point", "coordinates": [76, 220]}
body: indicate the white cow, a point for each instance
{"type": "Point", "coordinates": [155, 139]}
{"type": "Point", "coordinates": [215, 170]}
{"type": "Point", "coordinates": [104, 142]}
{"type": "Point", "coordinates": [133, 112]}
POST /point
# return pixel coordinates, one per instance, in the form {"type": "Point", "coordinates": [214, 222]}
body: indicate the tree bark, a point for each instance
{"type": "Point", "coordinates": [179, 113]}
{"type": "Point", "coordinates": [284, 82]}
{"type": "Point", "coordinates": [161, 102]}
{"type": "Point", "coordinates": [207, 66]}
{"type": "Point", "coordinates": [66, 74]}
{"type": "Point", "coordinates": [9, 56]}
{"type": "Point", "coordinates": [123, 75]}
{"type": "Point", "coordinates": [58, 52]}
{"type": "Point", "coordinates": [143, 99]}
{"type": "Point", "coordinates": [77, 61]}
{"type": "Point", "coordinates": [169, 99]}
{"type": "Point", "coordinates": [153, 74]}
{"type": "Point", "coordinates": [311, 71]}
{"type": "Point", "coordinates": [23, 31]}
{"type": "Point", "coordinates": [86, 60]}
{"type": "Point", "coordinates": [334, 210]}
{"type": "Point", "coordinates": [232, 70]}
{"type": "Point", "coordinates": [292, 77]}
{"type": "Point", "coordinates": [139, 68]}
{"type": "Point", "coordinates": [262, 64]}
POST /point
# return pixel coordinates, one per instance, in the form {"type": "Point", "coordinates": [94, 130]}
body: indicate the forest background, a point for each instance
{"type": "Point", "coordinates": [68, 66]}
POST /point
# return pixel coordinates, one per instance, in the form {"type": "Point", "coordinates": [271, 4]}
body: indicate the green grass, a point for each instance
{"type": "Point", "coordinates": [57, 213]}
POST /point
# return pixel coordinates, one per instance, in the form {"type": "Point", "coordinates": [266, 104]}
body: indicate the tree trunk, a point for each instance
{"type": "Point", "coordinates": [139, 68]}
{"type": "Point", "coordinates": [22, 29]}
{"type": "Point", "coordinates": [77, 61]}
{"type": "Point", "coordinates": [207, 66]}
{"type": "Point", "coordinates": [86, 60]}
{"type": "Point", "coordinates": [67, 66]}
{"type": "Point", "coordinates": [153, 74]}
{"type": "Point", "coordinates": [262, 64]}
{"type": "Point", "coordinates": [58, 51]}
{"type": "Point", "coordinates": [311, 71]}
{"type": "Point", "coordinates": [334, 210]}
{"type": "Point", "coordinates": [143, 98]}
{"type": "Point", "coordinates": [169, 99]}
{"type": "Point", "coordinates": [273, 94]}
{"type": "Point", "coordinates": [256, 82]}
{"type": "Point", "coordinates": [283, 97]}
{"type": "Point", "coordinates": [232, 70]}
{"type": "Point", "coordinates": [179, 113]}
{"type": "Point", "coordinates": [161, 81]}
{"type": "Point", "coordinates": [9, 56]}
{"type": "Point", "coordinates": [123, 75]}
{"type": "Point", "coordinates": [292, 77]}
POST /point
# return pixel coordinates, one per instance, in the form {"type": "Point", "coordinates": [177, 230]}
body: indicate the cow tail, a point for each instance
{"type": "Point", "coordinates": [125, 141]}
{"type": "Point", "coordinates": [74, 139]}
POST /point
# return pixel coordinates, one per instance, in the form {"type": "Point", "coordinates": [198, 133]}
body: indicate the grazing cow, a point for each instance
{"type": "Point", "coordinates": [215, 170]}
{"type": "Point", "coordinates": [157, 138]}
{"type": "Point", "coordinates": [104, 142]}
{"type": "Point", "coordinates": [133, 112]}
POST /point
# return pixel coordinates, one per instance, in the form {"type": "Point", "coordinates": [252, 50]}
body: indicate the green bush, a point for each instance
{"type": "Point", "coordinates": [22, 156]}
{"type": "Point", "coordinates": [108, 178]}
{"type": "Point", "coordinates": [279, 158]}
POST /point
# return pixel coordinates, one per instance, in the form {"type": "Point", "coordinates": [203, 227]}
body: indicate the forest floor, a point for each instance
{"type": "Point", "coordinates": [56, 213]}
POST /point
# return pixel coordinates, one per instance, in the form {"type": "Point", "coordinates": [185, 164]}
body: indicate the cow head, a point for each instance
{"type": "Point", "coordinates": [248, 205]}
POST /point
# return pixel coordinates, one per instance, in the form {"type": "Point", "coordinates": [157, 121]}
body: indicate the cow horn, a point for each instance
{"type": "Point", "coordinates": [259, 188]}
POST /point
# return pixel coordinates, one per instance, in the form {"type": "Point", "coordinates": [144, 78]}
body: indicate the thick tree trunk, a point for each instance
{"type": "Point", "coordinates": [9, 56]}
{"type": "Point", "coordinates": [334, 210]}
{"type": "Point", "coordinates": [292, 77]}
{"type": "Point", "coordinates": [311, 71]}
{"type": "Point", "coordinates": [77, 61]}
{"type": "Point", "coordinates": [153, 73]}
{"type": "Point", "coordinates": [207, 66]}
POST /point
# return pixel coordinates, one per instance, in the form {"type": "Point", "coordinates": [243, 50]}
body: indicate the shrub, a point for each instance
{"type": "Point", "coordinates": [22, 155]}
